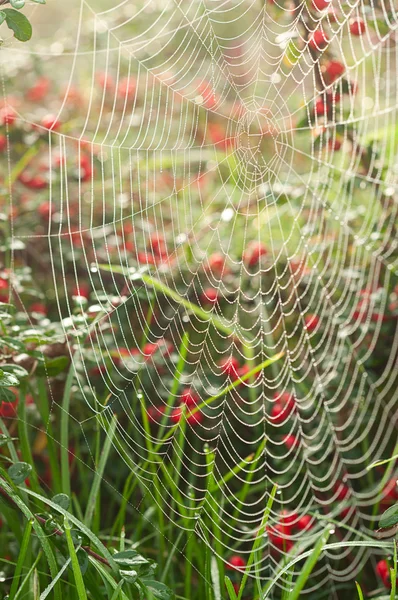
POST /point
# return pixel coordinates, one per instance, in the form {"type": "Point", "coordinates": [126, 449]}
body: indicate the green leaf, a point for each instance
{"type": "Point", "coordinates": [129, 576]}
{"type": "Point", "coordinates": [7, 395]}
{"type": "Point", "coordinates": [19, 24]}
{"type": "Point", "coordinates": [53, 366]}
{"type": "Point", "coordinates": [130, 558]}
{"type": "Point", "coordinates": [8, 379]}
{"type": "Point", "coordinates": [2, 19]}
{"type": "Point", "coordinates": [389, 517]}
{"type": "Point", "coordinates": [62, 500]}
{"type": "Point", "coordinates": [19, 472]}
{"type": "Point", "coordinates": [17, 4]}
{"type": "Point", "coordinates": [158, 590]}
{"type": "Point", "coordinates": [15, 370]}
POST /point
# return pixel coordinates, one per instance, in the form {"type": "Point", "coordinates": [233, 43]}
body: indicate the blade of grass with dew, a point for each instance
{"type": "Point", "coordinates": [79, 525]}
{"type": "Point", "coordinates": [91, 502]}
{"type": "Point", "coordinates": [393, 573]}
{"type": "Point", "coordinates": [51, 585]}
{"type": "Point", "coordinates": [27, 577]}
{"type": "Point", "coordinates": [43, 539]}
{"type": "Point", "coordinates": [107, 577]}
{"type": "Point", "coordinates": [64, 432]}
{"type": "Point", "coordinates": [257, 541]}
{"type": "Point", "coordinates": [35, 585]}
{"type": "Point", "coordinates": [24, 442]}
{"type": "Point", "coordinates": [182, 352]}
{"type": "Point", "coordinates": [320, 545]}
{"type": "Point", "coordinates": [116, 593]}
{"type": "Point", "coordinates": [77, 574]}
{"type": "Point", "coordinates": [230, 589]}
{"type": "Point", "coordinates": [166, 291]}
{"type": "Point", "coordinates": [309, 565]}
{"type": "Point", "coordinates": [44, 411]}
{"type": "Point", "coordinates": [21, 558]}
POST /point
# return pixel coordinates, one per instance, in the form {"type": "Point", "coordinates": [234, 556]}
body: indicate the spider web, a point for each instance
{"type": "Point", "coordinates": [212, 131]}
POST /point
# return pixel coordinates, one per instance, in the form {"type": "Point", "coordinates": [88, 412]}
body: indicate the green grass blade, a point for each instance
{"type": "Point", "coordinates": [257, 541]}
{"type": "Point", "coordinates": [88, 517]}
{"type": "Point", "coordinates": [393, 573]}
{"type": "Point", "coordinates": [43, 538]}
{"type": "Point", "coordinates": [79, 525]}
{"type": "Point", "coordinates": [360, 594]}
{"type": "Point", "coordinates": [230, 589]}
{"type": "Point", "coordinates": [309, 565]}
{"type": "Point", "coordinates": [64, 433]}
{"type": "Point", "coordinates": [27, 577]}
{"type": "Point", "coordinates": [21, 558]}
{"type": "Point", "coordinates": [77, 574]}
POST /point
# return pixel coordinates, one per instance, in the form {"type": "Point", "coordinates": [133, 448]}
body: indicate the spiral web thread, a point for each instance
{"type": "Point", "coordinates": [275, 175]}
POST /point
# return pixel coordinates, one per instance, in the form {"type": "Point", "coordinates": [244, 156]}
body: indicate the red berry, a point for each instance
{"type": "Point", "coordinates": [383, 571]}
{"type": "Point", "coordinates": [278, 413]}
{"type": "Point", "coordinates": [311, 322]}
{"type": "Point", "coordinates": [382, 568]}
{"type": "Point", "coordinates": [236, 563]}
{"type": "Point", "coordinates": [38, 183]}
{"type": "Point", "coordinates": [7, 116]}
{"type": "Point", "coordinates": [127, 87]}
{"type": "Point", "coordinates": [38, 91]}
{"type": "Point", "coordinates": [3, 143]}
{"type": "Point", "coordinates": [320, 107]}
{"type": "Point", "coordinates": [286, 400]}
{"type": "Point", "coordinates": [291, 441]}
{"type": "Point", "coordinates": [288, 518]}
{"type": "Point", "coordinates": [334, 144]}
{"type": "Point", "coordinates": [253, 253]}
{"type": "Point", "coordinates": [157, 245]}
{"type": "Point", "coordinates": [189, 398]}
{"type": "Point", "coordinates": [209, 296]}
{"type": "Point", "coordinates": [343, 491]}
{"type": "Point", "coordinates": [50, 122]}
{"type": "Point", "coordinates": [230, 366]}
{"type": "Point", "coordinates": [191, 417]}
{"type": "Point", "coordinates": [357, 26]}
{"type": "Point", "coordinates": [321, 4]}
{"type": "Point", "coordinates": [216, 264]}
{"type": "Point", "coordinates": [155, 413]}
{"type": "Point", "coordinates": [304, 522]}
{"type": "Point", "coordinates": [334, 69]}
{"type": "Point", "coordinates": [319, 40]}
{"type": "Point", "coordinates": [38, 307]}
{"type": "Point", "coordinates": [45, 210]}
